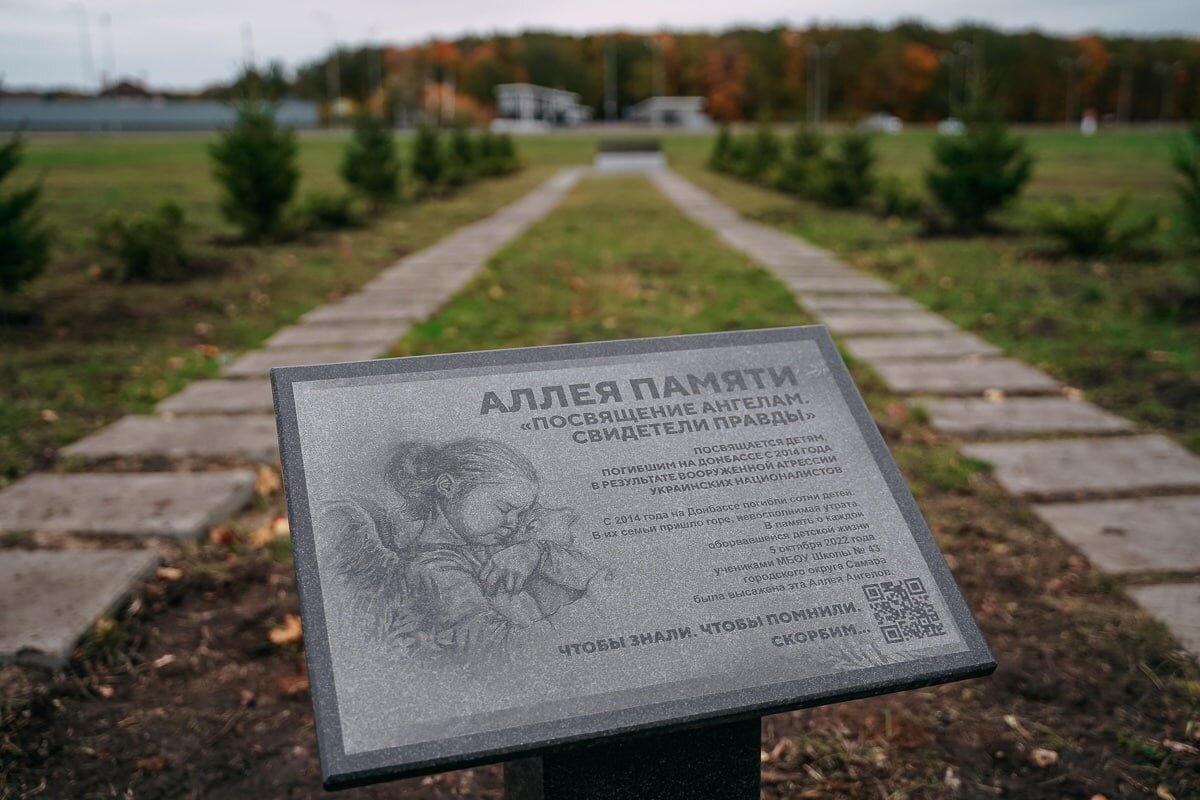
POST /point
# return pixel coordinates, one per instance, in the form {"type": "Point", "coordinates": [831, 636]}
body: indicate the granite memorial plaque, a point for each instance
{"type": "Point", "coordinates": [503, 553]}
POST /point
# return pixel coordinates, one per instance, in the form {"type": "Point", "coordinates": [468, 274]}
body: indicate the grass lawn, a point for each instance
{"type": "Point", "coordinates": [1081, 671]}
{"type": "Point", "coordinates": [1126, 331]}
{"type": "Point", "coordinates": [80, 351]}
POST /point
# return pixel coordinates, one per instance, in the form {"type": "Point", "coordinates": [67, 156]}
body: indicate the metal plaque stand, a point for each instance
{"type": "Point", "coordinates": [720, 762]}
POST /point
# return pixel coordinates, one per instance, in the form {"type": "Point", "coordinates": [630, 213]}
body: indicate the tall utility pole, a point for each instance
{"type": "Point", "coordinates": [333, 77]}
{"type": "Point", "coordinates": [659, 80]}
{"type": "Point", "coordinates": [1125, 92]}
{"type": "Point", "coordinates": [108, 59]}
{"type": "Point", "coordinates": [85, 45]}
{"type": "Point", "coordinates": [610, 82]}
{"type": "Point", "coordinates": [818, 80]}
{"type": "Point", "coordinates": [374, 64]}
{"type": "Point", "coordinates": [248, 47]}
{"type": "Point", "coordinates": [1072, 66]}
{"type": "Point", "coordinates": [962, 84]}
{"type": "Point", "coordinates": [1167, 70]}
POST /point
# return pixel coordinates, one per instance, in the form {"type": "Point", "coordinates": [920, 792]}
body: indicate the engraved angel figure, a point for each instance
{"type": "Point", "coordinates": [466, 561]}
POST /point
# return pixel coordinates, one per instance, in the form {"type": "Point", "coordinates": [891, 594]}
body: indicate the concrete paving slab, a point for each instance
{"type": "Point", "coordinates": [884, 322]}
{"type": "Point", "coordinates": [50, 598]}
{"type": "Point", "coordinates": [1122, 536]}
{"type": "Point", "coordinates": [790, 267]}
{"type": "Point", "coordinates": [855, 285]}
{"type": "Point", "coordinates": [379, 334]}
{"type": "Point", "coordinates": [1177, 605]}
{"type": "Point", "coordinates": [258, 363]}
{"type": "Point", "coordinates": [963, 377]}
{"type": "Point", "coordinates": [390, 301]}
{"type": "Point", "coordinates": [242, 396]}
{"type": "Point", "coordinates": [978, 417]}
{"type": "Point", "coordinates": [182, 504]}
{"type": "Point", "coordinates": [341, 313]}
{"type": "Point", "coordinates": [439, 284]}
{"type": "Point", "coordinates": [243, 437]}
{"type": "Point", "coordinates": [816, 303]}
{"type": "Point", "coordinates": [947, 345]}
{"type": "Point", "coordinates": [1096, 465]}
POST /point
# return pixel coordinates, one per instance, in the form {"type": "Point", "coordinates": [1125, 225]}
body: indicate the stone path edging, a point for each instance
{"type": "Point", "coordinates": [51, 597]}
{"type": "Point", "coordinates": [922, 357]}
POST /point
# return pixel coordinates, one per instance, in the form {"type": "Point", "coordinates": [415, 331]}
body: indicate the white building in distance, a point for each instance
{"type": "Point", "coordinates": [526, 108]}
{"type": "Point", "coordinates": [672, 112]}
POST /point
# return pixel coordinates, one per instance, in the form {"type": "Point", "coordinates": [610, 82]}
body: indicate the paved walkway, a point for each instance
{"type": "Point", "coordinates": [1130, 503]}
{"type": "Point", "coordinates": [49, 598]}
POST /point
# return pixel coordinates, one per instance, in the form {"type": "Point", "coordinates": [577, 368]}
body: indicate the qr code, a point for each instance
{"type": "Point", "coordinates": [903, 610]}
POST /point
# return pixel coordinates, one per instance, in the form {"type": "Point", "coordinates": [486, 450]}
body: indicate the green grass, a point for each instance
{"type": "Point", "coordinates": [1121, 330]}
{"type": "Point", "coordinates": [80, 352]}
{"type": "Point", "coordinates": [615, 261]}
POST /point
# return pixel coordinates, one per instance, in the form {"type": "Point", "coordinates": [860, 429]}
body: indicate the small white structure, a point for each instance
{"type": "Point", "coordinates": [951, 126]}
{"type": "Point", "coordinates": [629, 155]}
{"type": "Point", "coordinates": [882, 122]}
{"type": "Point", "coordinates": [672, 112]}
{"type": "Point", "coordinates": [527, 108]}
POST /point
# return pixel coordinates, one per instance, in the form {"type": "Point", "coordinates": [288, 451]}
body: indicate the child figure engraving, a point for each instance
{"type": "Point", "coordinates": [468, 561]}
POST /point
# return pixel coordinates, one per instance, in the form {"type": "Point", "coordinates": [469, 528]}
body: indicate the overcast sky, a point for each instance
{"type": "Point", "coordinates": [189, 44]}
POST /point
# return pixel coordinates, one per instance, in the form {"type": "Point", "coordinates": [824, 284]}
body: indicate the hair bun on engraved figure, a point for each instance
{"type": "Point", "coordinates": [411, 472]}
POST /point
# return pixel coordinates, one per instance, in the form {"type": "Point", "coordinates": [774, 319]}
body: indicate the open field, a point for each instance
{"type": "Point", "coordinates": [80, 352]}
{"type": "Point", "coordinates": [1125, 331]}
{"type": "Point", "coordinates": [187, 690]}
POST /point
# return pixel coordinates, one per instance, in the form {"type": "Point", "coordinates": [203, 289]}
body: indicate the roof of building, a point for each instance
{"type": "Point", "coordinates": [679, 103]}
{"type": "Point", "coordinates": [511, 87]}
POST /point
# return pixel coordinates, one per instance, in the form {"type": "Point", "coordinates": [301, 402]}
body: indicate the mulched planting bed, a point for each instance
{"type": "Point", "coordinates": [199, 689]}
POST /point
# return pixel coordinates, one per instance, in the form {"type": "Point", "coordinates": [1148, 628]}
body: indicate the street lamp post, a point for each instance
{"type": "Point", "coordinates": [818, 80]}
{"type": "Point", "coordinates": [1072, 66]}
{"type": "Point", "coordinates": [1167, 70]}
{"type": "Point", "coordinates": [333, 78]}
{"type": "Point", "coordinates": [959, 55]}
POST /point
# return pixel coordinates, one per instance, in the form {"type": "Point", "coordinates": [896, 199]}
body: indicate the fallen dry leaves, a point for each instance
{"type": "Point", "coordinates": [290, 632]}
{"type": "Point", "coordinates": [266, 481]}
{"type": "Point", "coordinates": [277, 528]}
{"type": "Point", "coordinates": [222, 535]}
{"type": "Point", "coordinates": [292, 685]}
{"type": "Point", "coordinates": [1043, 758]}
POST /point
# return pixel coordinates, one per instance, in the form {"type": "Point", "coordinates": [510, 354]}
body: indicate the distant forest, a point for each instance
{"type": "Point", "coordinates": [916, 72]}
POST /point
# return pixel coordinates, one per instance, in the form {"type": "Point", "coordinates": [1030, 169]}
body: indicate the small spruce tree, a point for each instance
{"type": "Point", "coordinates": [720, 159]}
{"type": "Point", "coordinates": [1186, 160]}
{"type": "Point", "coordinates": [255, 163]}
{"type": "Point", "coordinates": [849, 175]}
{"type": "Point", "coordinates": [761, 155]}
{"type": "Point", "coordinates": [485, 151]}
{"type": "Point", "coordinates": [461, 159]}
{"type": "Point", "coordinates": [145, 247]}
{"type": "Point", "coordinates": [24, 240]}
{"type": "Point", "coordinates": [428, 162]}
{"type": "Point", "coordinates": [371, 163]}
{"type": "Point", "coordinates": [978, 173]}
{"type": "Point", "coordinates": [800, 171]}
{"type": "Point", "coordinates": [462, 149]}
{"type": "Point", "coordinates": [506, 153]}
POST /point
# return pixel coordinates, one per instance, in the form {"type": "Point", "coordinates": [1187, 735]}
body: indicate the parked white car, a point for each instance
{"type": "Point", "coordinates": [951, 127]}
{"type": "Point", "coordinates": [881, 123]}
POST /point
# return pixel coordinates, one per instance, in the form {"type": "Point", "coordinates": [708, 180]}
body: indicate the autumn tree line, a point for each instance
{"type": "Point", "coordinates": [919, 73]}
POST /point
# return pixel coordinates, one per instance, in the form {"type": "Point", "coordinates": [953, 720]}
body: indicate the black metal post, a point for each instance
{"type": "Point", "coordinates": [720, 762]}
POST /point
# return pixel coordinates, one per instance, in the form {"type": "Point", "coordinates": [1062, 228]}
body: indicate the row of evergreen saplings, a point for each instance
{"type": "Point", "coordinates": [973, 177]}
{"type": "Point", "coordinates": [255, 164]}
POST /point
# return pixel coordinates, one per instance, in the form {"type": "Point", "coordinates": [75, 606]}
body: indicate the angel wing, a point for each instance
{"type": "Point", "coordinates": [366, 542]}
